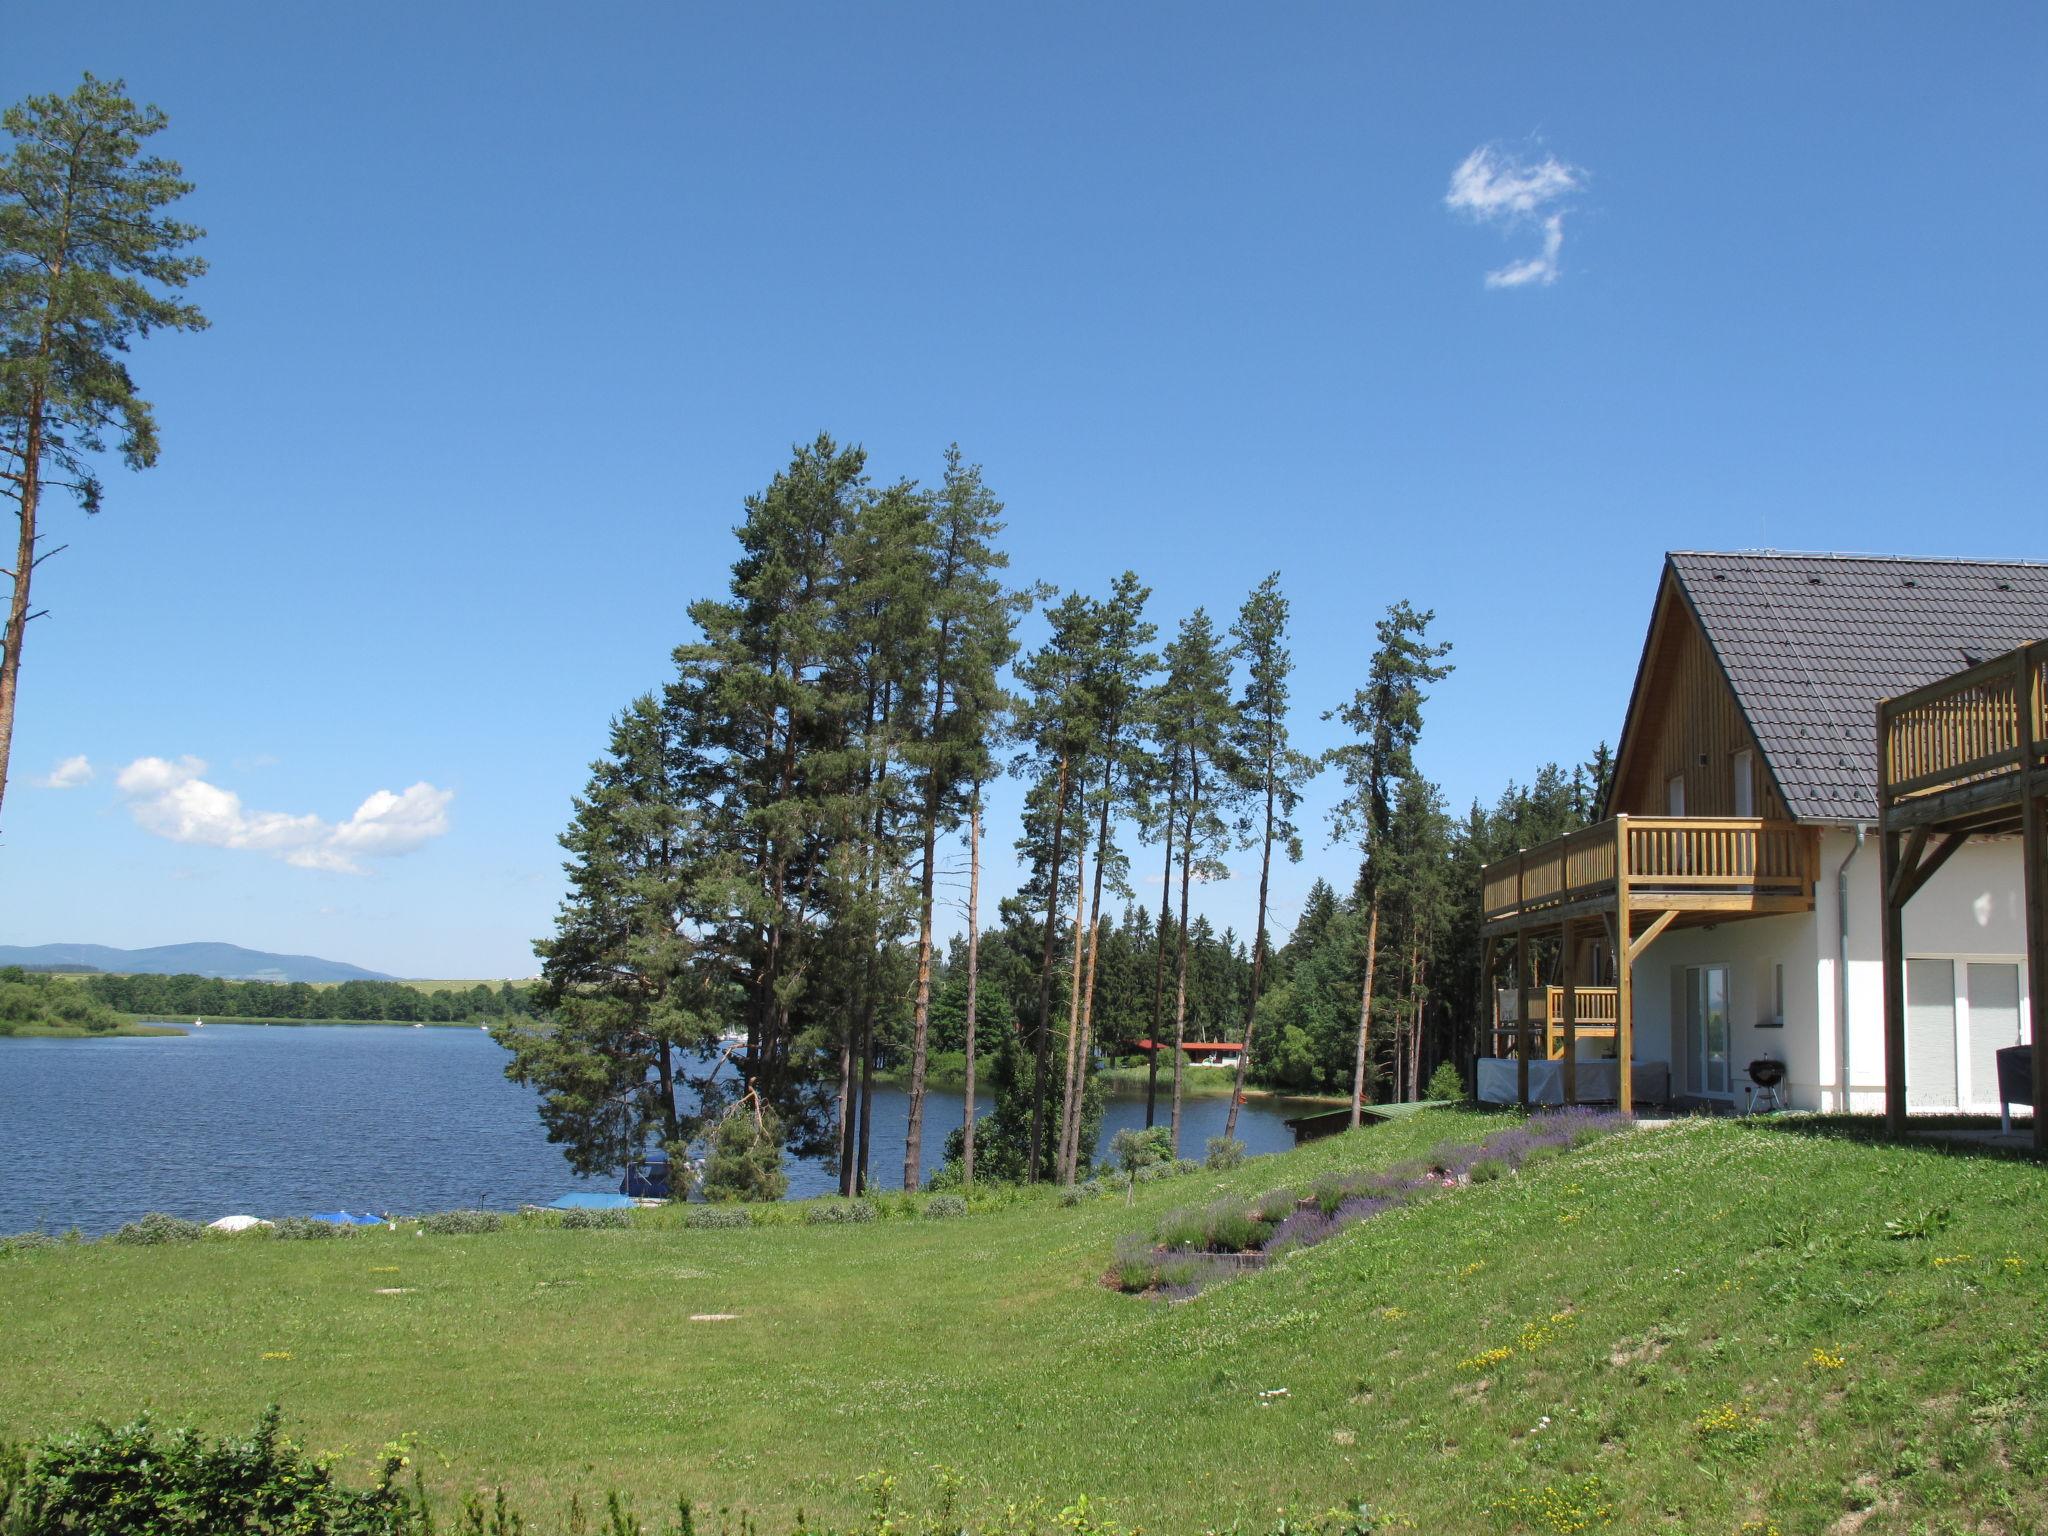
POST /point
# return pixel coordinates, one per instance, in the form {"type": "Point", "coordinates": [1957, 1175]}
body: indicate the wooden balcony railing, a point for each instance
{"type": "Point", "coordinates": [1596, 1013]}
{"type": "Point", "coordinates": [1985, 723]}
{"type": "Point", "coordinates": [1663, 861]}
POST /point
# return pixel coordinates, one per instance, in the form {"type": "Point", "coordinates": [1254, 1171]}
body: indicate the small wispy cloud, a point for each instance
{"type": "Point", "coordinates": [1494, 188]}
{"type": "Point", "coordinates": [69, 774]}
{"type": "Point", "coordinates": [172, 799]}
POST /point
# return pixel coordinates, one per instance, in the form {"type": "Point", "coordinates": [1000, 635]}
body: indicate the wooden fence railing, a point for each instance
{"type": "Point", "coordinates": [1989, 720]}
{"type": "Point", "coordinates": [1597, 1012]}
{"type": "Point", "coordinates": [1665, 854]}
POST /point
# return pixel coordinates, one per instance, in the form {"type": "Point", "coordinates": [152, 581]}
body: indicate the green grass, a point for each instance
{"type": "Point", "coordinates": [1710, 1327]}
{"type": "Point", "coordinates": [129, 1025]}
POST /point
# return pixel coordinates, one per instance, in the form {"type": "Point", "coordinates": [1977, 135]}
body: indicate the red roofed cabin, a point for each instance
{"type": "Point", "coordinates": [1200, 1053]}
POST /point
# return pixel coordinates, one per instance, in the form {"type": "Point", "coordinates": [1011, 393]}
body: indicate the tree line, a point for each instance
{"type": "Point", "coordinates": [754, 866]}
{"type": "Point", "coordinates": [203, 997]}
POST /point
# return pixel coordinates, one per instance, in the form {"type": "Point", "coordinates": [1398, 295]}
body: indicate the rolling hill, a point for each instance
{"type": "Point", "coordinates": [230, 962]}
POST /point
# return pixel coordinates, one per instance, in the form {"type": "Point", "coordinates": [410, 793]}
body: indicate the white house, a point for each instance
{"type": "Point", "coordinates": [1741, 859]}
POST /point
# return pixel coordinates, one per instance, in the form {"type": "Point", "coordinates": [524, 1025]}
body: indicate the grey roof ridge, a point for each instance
{"type": "Point", "coordinates": [1765, 553]}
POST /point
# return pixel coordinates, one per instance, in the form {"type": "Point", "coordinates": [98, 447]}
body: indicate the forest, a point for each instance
{"type": "Point", "coordinates": [202, 997]}
{"type": "Point", "coordinates": [751, 928]}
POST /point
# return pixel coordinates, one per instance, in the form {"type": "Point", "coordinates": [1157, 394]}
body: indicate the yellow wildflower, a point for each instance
{"type": "Point", "coordinates": [277, 1354]}
{"type": "Point", "coordinates": [1393, 1314]}
{"type": "Point", "coordinates": [1486, 1359]}
{"type": "Point", "coordinates": [1825, 1359]}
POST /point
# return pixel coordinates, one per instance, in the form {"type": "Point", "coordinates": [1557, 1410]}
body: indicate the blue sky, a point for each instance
{"type": "Point", "coordinates": [514, 304]}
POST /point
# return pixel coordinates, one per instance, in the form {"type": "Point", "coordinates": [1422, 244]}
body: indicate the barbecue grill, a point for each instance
{"type": "Point", "coordinates": [1765, 1073]}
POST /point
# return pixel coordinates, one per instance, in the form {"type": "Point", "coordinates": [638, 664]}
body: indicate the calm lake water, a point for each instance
{"type": "Point", "coordinates": [279, 1122]}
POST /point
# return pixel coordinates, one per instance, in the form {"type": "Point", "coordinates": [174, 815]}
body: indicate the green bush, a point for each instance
{"type": "Point", "coordinates": [944, 1208]}
{"type": "Point", "coordinates": [581, 1219]}
{"type": "Point", "coordinates": [304, 1228]}
{"type": "Point", "coordinates": [1486, 1170]}
{"type": "Point", "coordinates": [462, 1223]}
{"type": "Point", "coordinates": [1135, 1150]}
{"type": "Point", "coordinates": [745, 1158]}
{"type": "Point", "coordinates": [836, 1212]}
{"type": "Point", "coordinates": [1077, 1194]}
{"type": "Point", "coordinates": [113, 1482]}
{"type": "Point", "coordinates": [1186, 1165]}
{"type": "Point", "coordinates": [720, 1216]}
{"type": "Point", "coordinates": [29, 1242]}
{"type": "Point", "coordinates": [1446, 1082]}
{"type": "Point", "coordinates": [156, 1227]}
{"type": "Point", "coordinates": [1231, 1226]}
{"type": "Point", "coordinates": [1275, 1206]}
{"type": "Point", "coordinates": [1225, 1153]}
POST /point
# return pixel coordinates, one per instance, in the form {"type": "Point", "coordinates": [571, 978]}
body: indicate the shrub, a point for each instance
{"type": "Point", "coordinates": [582, 1219]}
{"type": "Point", "coordinates": [1446, 1082]}
{"type": "Point", "coordinates": [1231, 1226]}
{"type": "Point", "coordinates": [745, 1160]}
{"type": "Point", "coordinates": [1187, 1228]}
{"type": "Point", "coordinates": [462, 1223]}
{"type": "Point", "coordinates": [718, 1216]}
{"type": "Point", "coordinates": [156, 1227]}
{"type": "Point", "coordinates": [1543, 1153]}
{"type": "Point", "coordinates": [1151, 1173]}
{"type": "Point", "coordinates": [1275, 1206]}
{"type": "Point", "coordinates": [1186, 1165]}
{"type": "Point", "coordinates": [1135, 1150]}
{"type": "Point", "coordinates": [133, 1480]}
{"type": "Point", "coordinates": [944, 1208]}
{"type": "Point", "coordinates": [28, 1242]}
{"type": "Point", "coordinates": [303, 1228]}
{"type": "Point", "coordinates": [1076, 1194]}
{"type": "Point", "coordinates": [1137, 1264]}
{"type": "Point", "coordinates": [1487, 1169]}
{"type": "Point", "coordinates": [1225, 1153]}
{"type": "Point", "coordinates": [832, 1213]}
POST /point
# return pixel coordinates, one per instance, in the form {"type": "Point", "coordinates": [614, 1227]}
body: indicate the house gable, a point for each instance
{"type": "Point", "coordinates": [1685, 722]}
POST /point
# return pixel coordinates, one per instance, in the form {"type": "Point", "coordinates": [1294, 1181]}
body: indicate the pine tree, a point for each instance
{"type": "Point", "coordinates": [1385, 717]}
{"type": "Point", "coordinates": [89, 262]}
{"type": "Point", "coordinates": [1271, 772]}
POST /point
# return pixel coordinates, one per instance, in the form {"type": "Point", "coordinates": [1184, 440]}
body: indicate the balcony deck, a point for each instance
{"type": "Point", "coordinates": [1688, 868]}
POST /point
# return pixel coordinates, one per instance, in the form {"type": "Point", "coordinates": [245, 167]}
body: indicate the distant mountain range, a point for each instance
{"type": "Point", "coordinates": [230, 962]}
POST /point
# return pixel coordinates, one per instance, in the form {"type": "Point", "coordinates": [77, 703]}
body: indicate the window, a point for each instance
{"type": "Point", "coordinates": [1960, 1012]}
{"type": "Point", "coordinates": [1674, 795]}
{"type": "Point", "coordinates": [1777, 1016]}
{"type": "Point", "coordinates": [1744, 769]}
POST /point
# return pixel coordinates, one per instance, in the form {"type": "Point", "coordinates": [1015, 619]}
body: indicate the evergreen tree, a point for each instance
{"type": "Point", "coordinates": [89, 262]}
{"type": "Point", "coordinates": [1271, 772]}
{"type": "Point", "coordinates": [628, 1011]}
{"type": "Point", "coordinates": [1385, 717]}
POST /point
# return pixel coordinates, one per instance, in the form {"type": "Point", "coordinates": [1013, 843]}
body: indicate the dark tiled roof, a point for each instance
{"type": "Point", "coordinates": [1812, 642]}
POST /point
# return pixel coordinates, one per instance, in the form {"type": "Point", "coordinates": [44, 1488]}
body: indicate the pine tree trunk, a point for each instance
{"type": "Point", "coordinates": [867, 1098]}
{"type": "Point", "coordinates": [1067, 1105]}
{"type": "Point", "coordinates": [1251, 1007]}
{"type": "Point", "coordinates": [24, 565]}
{"type": "Point", "coordinates": [849, 1108]}
{"type": "Point", "coordinates": [1159, 963]}
{"type": "Point", "coordinates": [1044, 1051]}
{"type": "Point", "coordinates": [973, 980]}
{"type": "Point", "coordinates": [913, 1132]}
{"type": "Point", "coordinates": [1372, 954]}
{"type": "Point", "coordinates": [1180, 965]}
{"type": "Point", "coordinates": [1088, 989]}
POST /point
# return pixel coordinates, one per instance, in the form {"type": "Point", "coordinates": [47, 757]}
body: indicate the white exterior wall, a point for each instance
{"type": "Point", "coordinates": [1974, 907]}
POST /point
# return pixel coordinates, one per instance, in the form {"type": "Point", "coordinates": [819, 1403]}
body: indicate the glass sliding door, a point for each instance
{"type": "Point", "coordinates": [1993, 996]}
{"type": "Point", "coordinates": [1706, 1023]}
{"type": "Point", "coordinates": [1930, 1034]}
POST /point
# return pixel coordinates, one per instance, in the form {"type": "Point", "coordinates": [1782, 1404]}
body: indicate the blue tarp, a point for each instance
{"type": "Point", "coordinates": [345, 1219]}
{"type": "Point", "coordinates": [582, 1202]}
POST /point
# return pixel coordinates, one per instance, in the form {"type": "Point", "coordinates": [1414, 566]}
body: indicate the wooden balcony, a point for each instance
{"type": "Point", "coordinates": [1713, 866]}
{"type": "Point", "coordinates": [1963, 753]}
{"type": "Point", "coordinates": [1597, 1014]}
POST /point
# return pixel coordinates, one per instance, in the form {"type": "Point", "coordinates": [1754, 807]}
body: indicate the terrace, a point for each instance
{"type": "Point", "coordinates": [1964, 757]}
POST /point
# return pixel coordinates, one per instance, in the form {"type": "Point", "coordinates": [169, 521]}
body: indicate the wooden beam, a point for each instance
{"type": "Point", "coordinates": [1923, 871]}
{"type": "Point", "coordinates": [1648, 936]}
{"type": "Point", "coordinates": [1522, 1018]}
{"type": "Point", "coordinates": [1624, 986]}
{"type": "Point", "coordinates": [2035, 846]}
{"type": "Point", "coordinates": [1570, 949]}
{"type": "Point", "coordinates": [1909, 860]}
{"type": "Point", "coordinates": [1894, 950]}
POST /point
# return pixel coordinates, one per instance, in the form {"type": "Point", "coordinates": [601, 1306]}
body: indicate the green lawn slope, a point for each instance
{"type": "Point", "coordinates": [1708, 1327]}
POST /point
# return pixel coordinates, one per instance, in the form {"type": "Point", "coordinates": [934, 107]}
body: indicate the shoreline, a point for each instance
{"type": "Point", "coordinates": [127, 1029]}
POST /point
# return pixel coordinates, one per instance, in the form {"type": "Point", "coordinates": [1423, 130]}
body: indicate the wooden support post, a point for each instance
{"type": "Point", "coordinates": [1624, 972]}
{"type": "Point", "coordinates": [1492, 1014]}
{"type": "Point", "coordinates": [2034, 843]}
{"type": "Point", "coordinates": [1570, 943]}
{"type": "Point", "coordinates": [1894, 941]}
{"type": "Point", "coordinates": [1522, 1017]}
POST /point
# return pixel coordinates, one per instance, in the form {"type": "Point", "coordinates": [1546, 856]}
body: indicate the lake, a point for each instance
{"type": "Point", "coordinates": [276, 1121]}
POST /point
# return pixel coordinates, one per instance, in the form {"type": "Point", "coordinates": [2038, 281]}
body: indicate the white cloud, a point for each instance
{"type": "Point", "coordinates": [174, 800]}
{"type": "Point", "coordinates": [1492, 188]}
{"type": "Point", "coordinates": [69, 774]}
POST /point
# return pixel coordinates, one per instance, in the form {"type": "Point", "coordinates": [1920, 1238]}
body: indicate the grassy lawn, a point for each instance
{"type": "Point", "coordinates": [1710, 1327]}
